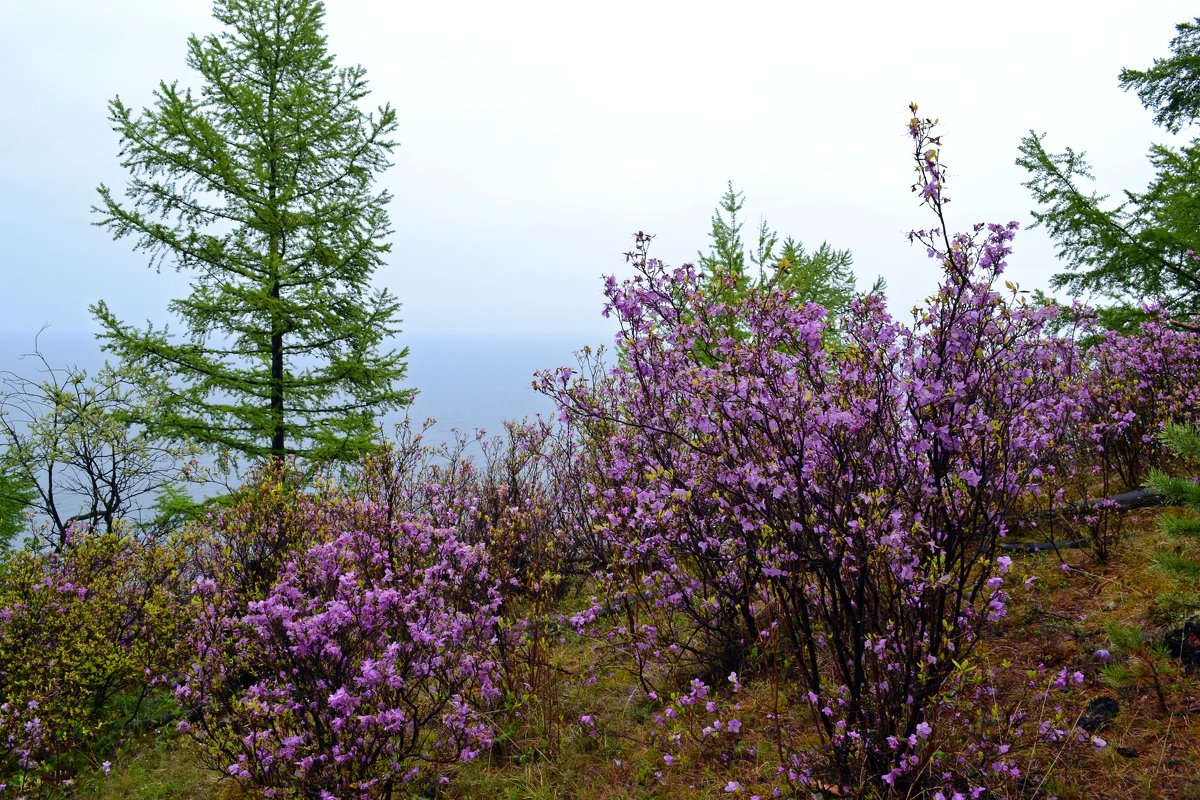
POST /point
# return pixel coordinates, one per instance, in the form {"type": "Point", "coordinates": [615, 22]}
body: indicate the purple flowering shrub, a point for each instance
{"type": "Point", "coordinates": [361, 666]}
{"type": "Point", "coordinates": [836, 507]}
{"type": "Point", "coordinates": [1006, 743]}
{"type": "Point", "coordinates": [756, 490]}
{"type": "Point", "coordinates": [408, 475]}
{"type": "Point", "coordinates": [521, 514]}
{"type": "Point", "coordinates": [522, 494]}
{"type": "Point", "coordinates": [1138, 381]}
{"type": "Point", "coordinates": [245, 539]}
{"type": "Point", "coordinates": [1127, 386]}
{"type": "Point", "coordinates": [85, 634]}
{"type": "Point", "coordinates": [705, 723]}
{"type": "Point", "coordinates": [509, 507]}
{"type": "Point", "coordinates": [519, 495]}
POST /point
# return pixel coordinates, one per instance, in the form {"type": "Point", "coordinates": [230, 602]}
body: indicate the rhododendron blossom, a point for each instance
{"type": "Point", "coordinates": [367, 658]}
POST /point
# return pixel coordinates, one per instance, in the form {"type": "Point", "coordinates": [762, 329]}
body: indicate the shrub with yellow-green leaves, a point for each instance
{"type": "Point", "coordinates": [85, 637]}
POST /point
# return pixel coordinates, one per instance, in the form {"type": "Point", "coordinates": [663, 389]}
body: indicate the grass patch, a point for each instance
{"type": "Point", "coordinates": [155, 766]}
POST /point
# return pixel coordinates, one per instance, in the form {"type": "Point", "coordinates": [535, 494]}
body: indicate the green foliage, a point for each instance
{"type": "Point", "coordinates": [1118, 676]}
{"type": "Point", "coordinates": [1177, 525]}
{"type": "Point", "coordinates": [261, 187]}
{"type": "Point", "coordinates": [278, 512]}
{"type": "Point", "coordinates": [823, 276]}
{"type": "Point", "coordinates": [1138, 660]}
{"type": "Point", "coordinates": [17, 494]}
{"type": "Point", "coordinates": [1137, 250]}
{"type": "Point", "coordinates": [1142, 247]}
{"type": "Point", "coordinates": [1181, 562]}
{"type": "Point", "coordinates": [150, 767]}
{"type": "Point", "coordinates": [727, 256]}
{"type": "Point", "coordinates": [1172, 85]}
{"type": "Point", "coordinates": [1126, 638]}
{"type": "Point", "coordinates": [76, 451]}
{"type": "Point", "coordinates": [174, 507]}
{"type": "Point", "coordinates": [1174, 606]}
{"type": "Point", "coordinates": [1175, 563]}
{"type": "Point", "coordinates": [85, 635]}
{"type": "Point", "coordinates": [1178, 491]}
{"type": "Point", "coordinates": [1183, 440]}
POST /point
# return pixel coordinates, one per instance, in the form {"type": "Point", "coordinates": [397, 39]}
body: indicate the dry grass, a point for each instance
{"type": "Point", "coordinates": [1063, 621]}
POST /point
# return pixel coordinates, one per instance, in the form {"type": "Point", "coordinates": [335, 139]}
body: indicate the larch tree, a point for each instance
{"type": "Point", "coordinates": [1143, 247]}
{"type": "Point", "coordinates": [823, 276]}
{"type": "Point", "coordinates": [260, 185]}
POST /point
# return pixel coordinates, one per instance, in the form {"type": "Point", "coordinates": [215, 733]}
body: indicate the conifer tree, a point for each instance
{"type": "Point", "coordinates": [260, 186]}
{"type": "Point", "coordinates": [823, 276]}
{"type": "Point", "coordinates": [1143, 247]}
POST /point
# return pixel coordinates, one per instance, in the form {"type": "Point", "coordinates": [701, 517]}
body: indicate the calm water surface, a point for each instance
{"type": "Point", "coordinates": [463, 382]}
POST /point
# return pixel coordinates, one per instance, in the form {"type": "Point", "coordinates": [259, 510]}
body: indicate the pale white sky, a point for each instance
{"type": "Point", "coordinates": [536, 136]}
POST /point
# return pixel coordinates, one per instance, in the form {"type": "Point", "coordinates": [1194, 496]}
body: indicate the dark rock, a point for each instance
{"type": "Point", "coordinates": [1030, 786]}
{"type": "Point", "coordinates": [1137, 498]}
{"type": "Point", "coordinates": [1098, 713]}
{"type": "Point", "coordinates": [1183, 642]}
{"type": "Point", "coordinates": [1128, 752]}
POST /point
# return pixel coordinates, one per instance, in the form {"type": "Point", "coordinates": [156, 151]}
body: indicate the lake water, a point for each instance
{"type": "Point", "coordinates": [463, 382]}
{"type": "Point", "coordinates": [480, 383]}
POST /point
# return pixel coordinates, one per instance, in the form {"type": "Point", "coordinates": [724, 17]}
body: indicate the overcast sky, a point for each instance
{"type": "Point", "coordinates": [536, 137]}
